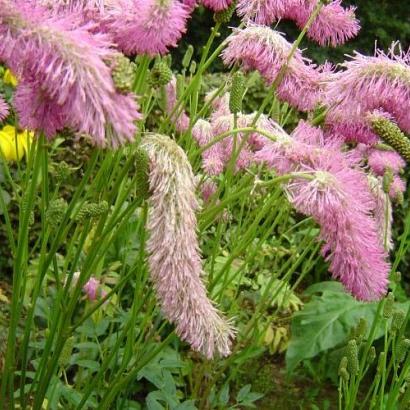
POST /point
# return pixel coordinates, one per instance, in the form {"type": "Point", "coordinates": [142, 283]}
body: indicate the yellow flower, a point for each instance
{"type": "Point", "coordinates": [14, 145]}
{"type": "Point", "coordinates": [9, 78]}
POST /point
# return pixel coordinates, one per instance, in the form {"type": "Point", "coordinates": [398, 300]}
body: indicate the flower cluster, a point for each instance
{"type": "Point", "coordinates": [260, 48]}
{"type": "Point", "coordinates": [174, 259]}
{"type": "Point", "coordinates": [333, 26]}
{"type": "Point", "coordinates": [64, 78]}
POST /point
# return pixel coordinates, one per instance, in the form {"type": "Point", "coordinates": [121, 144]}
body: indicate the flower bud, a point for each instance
{"type": "Point", "coordinates": [392, 135]}
{"type": "Point", "coordinates": [237, 92]}
{"type": "Point", "coordinates": [160, 74]}
{"type": "Point", "coordinates": [66, 352]}
{"type": "Point", "coordinates": [380, 363]}
{"type": "Point", "coordinates": [372, 354]}
{"type": "Point", "coordinates": [92, 210]}
{"type": "Point", "coordinates": [188, 56]}
{"type": "Point", "coordinates": [388, 306]}
{"type": "Point", "coordinates": [398, 319]}
{"type": "Point", "coordinates": [224, 16]}
{"type": "Point", "coordinates": [352, 357]}
{"type": "Point", "coordinates": [388, 178]}
{"type": "Point", "coordinates": [402, 349]}
{"type": "Point", "coordinates": [62, 171]}
{"type": "Point", "coordinates": [123, 74]}
{"type": "Point", "coordinates": [56, 211]}
{"type": "Point", "coordinates": [343, 373]}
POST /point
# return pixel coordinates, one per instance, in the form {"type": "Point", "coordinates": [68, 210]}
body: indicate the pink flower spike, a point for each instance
{"type": "Point", "coordinates": [147, 26]}
{"type": "Point", "coordinates": [208, 189]}
{"type": "Point", "coordinates": [380, 83]}
{"type": "Point", "coordinates": [174, 257]}
{"type": "Point", "coordinates": [265, 50]}
{"type": "Point", "coordinates": [92, 289]}
{"type": "Point", "coordinates": [263, 11]}
{"type": "Point", "coordinates": [65, 79]}
{"type": "Point", "coordinates": [4, 109]}
{"type": "Point", "coordinates": [339, 200]}
{"type": "Point", "coordinates": [333, 26]}
{"type": "Point", "coordinates": [179, 117]}
{"type": "Point", "coordinates": [397, 188]}
{"type": "Point", "coordinates": [379, 161]}
{"type": "Point", "coordinates": [217, 5]}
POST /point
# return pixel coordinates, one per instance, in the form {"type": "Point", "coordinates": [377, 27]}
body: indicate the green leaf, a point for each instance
{"type": "Point", "coordinates": [325, 322]}
{"type": "Point", "coordinates": [243, 393]}
{"type": "Point", "coordinates": [224, 395]}
{"type": "Point", "coordinates": [89, 364]}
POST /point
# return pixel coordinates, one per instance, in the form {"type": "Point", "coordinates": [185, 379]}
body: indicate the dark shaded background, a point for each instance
{"type": "Point", "coordinates": [383, 21]}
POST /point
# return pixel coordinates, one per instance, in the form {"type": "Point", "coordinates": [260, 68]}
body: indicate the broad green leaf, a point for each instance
{"type": "Point", "coordinates": [224, 395]}
{"type": "Point", "coordinates": [325, 322]}
{"type": "Point", "coordinates": [243, 393]}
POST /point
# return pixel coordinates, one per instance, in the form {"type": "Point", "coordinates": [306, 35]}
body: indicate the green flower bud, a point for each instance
{"type": "Point", "coordinates": [237, 92]}
{"type": "Point", "coordinates": [66, 352]}
{"type": "Point", "coordinates": [380, 363]}
{"type": "Point", "coordinates": [123, 73]}
{"type": "Point", "coordinates": [141, 173]}
{"type": "Point", "coordinates": [391, 134]}
{"type": "Point", "coordinates": [224, 16]}
{"type": "Point", "coordinates": [388, 178]}
{"type": "Point", "coordinates": [352, 357]}
{"type": "Point", "coordinates": [92, 210]}
{"type": "Point", "coordinates": [56, 211]}
{"type": "Point", "coordinates": [343, 373]}
{"type": "Point", "coordinates": [62, 171]}
{"type": "Point", "coordinates": [361, 329]}
{"type": "Point", "coordinates": [160, 74]}
{"type": "Point", "coordinates": [398, 319]}
{"type": "Point", "coordinates": [372, 354]}
{"type": "Point", "coordinates": [188, 56]}
{"type": "Point", "coordinates": [192, 67]}
{"type": "Point", "coordinates": [388, 306]}
{"type": "Point", "coordinates": [402, 349]}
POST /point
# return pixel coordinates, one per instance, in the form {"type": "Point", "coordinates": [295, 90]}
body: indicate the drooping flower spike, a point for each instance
{"type": "Point", "coordinates": [339, 200]}
{"type": "Point", "coordinates": [4, 109]}
{"type": "Point", "coordinates": [174, 257]}
{"type": "Point", "coordinates": [333, 26]}
{"type": "Point", "coordinates": [217, 5]}
{"type": "Point", "coordinates": [265, 50]}
{"type": "Point", "coordinates": [147, 26]}
{"type": "Point", "coordinates": [367, 84]}
{"type": "Point", "coordinates": [381, 160]}
{"type": "Point", "coordinates": [65, 81]}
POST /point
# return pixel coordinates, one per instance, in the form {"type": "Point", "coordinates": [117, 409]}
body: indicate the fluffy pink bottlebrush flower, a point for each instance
{"type": "Point", "coordinates": [265, 50]}
{"type": "Point", "coordinates": [147, 26]}
{"type": "Point", "coordinates": [174, 256]}
{"type": "Point", "coordinates": [179, 117]}
{"type": "Point", "coordinates": [264, 11]}
{"type": "Point", "coordinates": [333, 26]}
{"type": "Point", "coordinates": [212, 158]}
{"type": "Point", "coordinates": [379, 161]}
{"type": "Point", "coordinates": [383, 212]}
{"type": "Point", "coordinates": [93, 289]}
{"type": "Point", "coordinates": [4, 109]}
{"type": "Point", "coordinates": [220, 104]}
{"type": "Point", "coordinates": [208, 189]}
{"type": "Point", "coordinates": [367, 84]}
{"type": "Point", "coordinates": [339, 200]}
{"type": "Point", "coordinates": [397, 188]}
{"type": "Point", "coordinates": [217, 5]}
{"type": "Point", "coordinates": [64, 75]}
{"type": "Point", "coordinates": [305, 147]}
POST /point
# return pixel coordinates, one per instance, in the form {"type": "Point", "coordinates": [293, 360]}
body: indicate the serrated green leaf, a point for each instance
{"type": "Point", "coordinates": [325, 322]}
